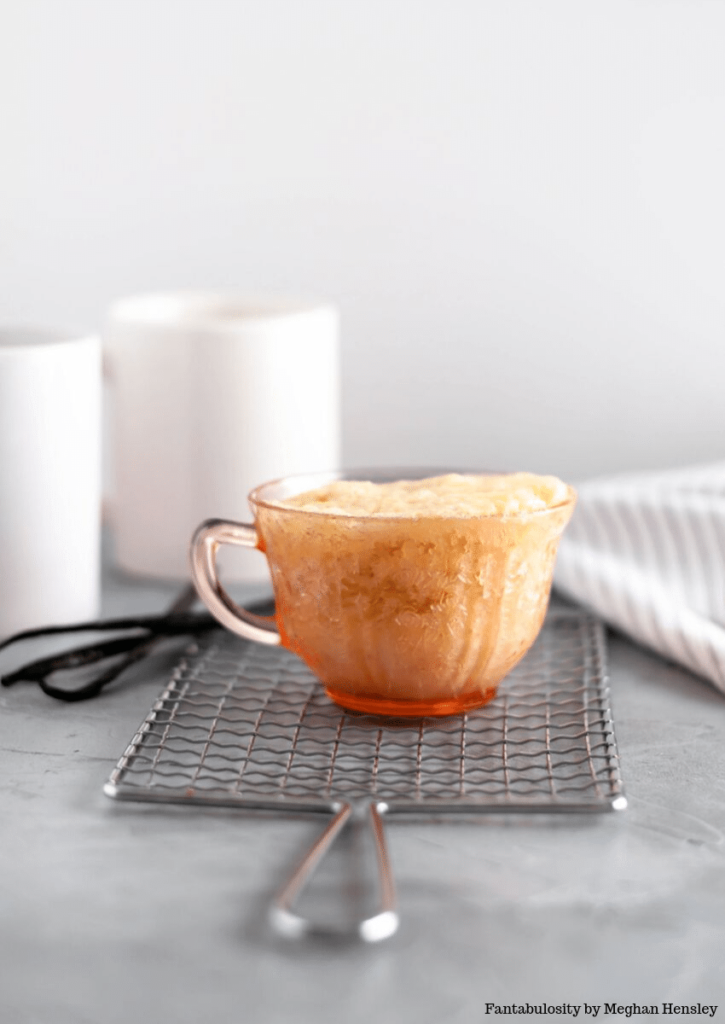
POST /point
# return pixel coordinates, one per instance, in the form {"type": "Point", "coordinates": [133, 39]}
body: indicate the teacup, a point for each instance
{"type": "Point", "coordinates": [397, 615]}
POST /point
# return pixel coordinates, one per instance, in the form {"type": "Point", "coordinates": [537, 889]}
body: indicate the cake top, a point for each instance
{"type": "Point", "coordinates": [453, 495]}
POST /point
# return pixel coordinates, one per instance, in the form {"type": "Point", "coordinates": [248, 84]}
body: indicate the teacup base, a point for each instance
{"type": "Point", "coordinates": [374, 705]}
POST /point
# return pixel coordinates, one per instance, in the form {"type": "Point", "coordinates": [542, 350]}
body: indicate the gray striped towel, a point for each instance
{"type": "Point", "coordinates": [647, 553]}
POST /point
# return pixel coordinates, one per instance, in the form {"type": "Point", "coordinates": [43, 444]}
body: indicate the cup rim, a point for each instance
{"type": "Point", "coordinates": [308, 481]}
{"type": "Point", "coordinates": [29, 338]}
{"type": "Point", "coordinates": [205, 309]}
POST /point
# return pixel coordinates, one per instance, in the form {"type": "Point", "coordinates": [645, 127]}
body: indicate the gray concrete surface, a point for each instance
{"type": "Point", "coordinates": [114, 913]}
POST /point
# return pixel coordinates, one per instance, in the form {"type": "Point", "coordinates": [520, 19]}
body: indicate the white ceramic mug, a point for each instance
{"type": "Point", "coordinates": [50, 478]}
{"type": "Point", "coordinates": [209, 394]}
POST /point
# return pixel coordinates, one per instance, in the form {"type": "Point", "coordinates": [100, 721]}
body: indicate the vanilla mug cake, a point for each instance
{"type": "Point", "coordinates": [405, 597]}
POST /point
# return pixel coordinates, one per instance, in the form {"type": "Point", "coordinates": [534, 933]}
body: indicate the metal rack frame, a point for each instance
{"type": "Point", "coordinates": [241, 725]}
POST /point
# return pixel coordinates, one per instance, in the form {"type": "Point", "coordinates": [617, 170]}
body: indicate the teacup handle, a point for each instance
{"type": "Point", "coordinates": [204, 546]}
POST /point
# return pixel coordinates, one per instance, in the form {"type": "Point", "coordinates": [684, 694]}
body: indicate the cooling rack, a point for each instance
{"type": "Point", "coordinates": [249, 726]}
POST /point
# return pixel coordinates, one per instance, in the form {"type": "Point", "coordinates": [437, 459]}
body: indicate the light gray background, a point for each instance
{"type": "Point", "coordinates": [517, 205]}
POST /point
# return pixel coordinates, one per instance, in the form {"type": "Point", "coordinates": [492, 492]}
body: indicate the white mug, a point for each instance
{"type": "Point", "coordinates": [209, 394]}
{"type": "Point", "coordinates": [50, 478]}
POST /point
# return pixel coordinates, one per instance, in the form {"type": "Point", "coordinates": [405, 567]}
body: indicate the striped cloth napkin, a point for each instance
{"type": "Point", "coordinates": [647, 553]}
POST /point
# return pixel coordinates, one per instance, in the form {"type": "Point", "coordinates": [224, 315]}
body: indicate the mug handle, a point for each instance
{"type": "Point", "coordinates": [204, 546]}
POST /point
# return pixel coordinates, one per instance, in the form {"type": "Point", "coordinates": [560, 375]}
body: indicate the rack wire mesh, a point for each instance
{"type": "Point", "coordinates": [244, 725]}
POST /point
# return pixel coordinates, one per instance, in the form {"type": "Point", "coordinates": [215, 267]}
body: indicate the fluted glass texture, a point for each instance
{"type": "Point", "coordinates": [410, 615]}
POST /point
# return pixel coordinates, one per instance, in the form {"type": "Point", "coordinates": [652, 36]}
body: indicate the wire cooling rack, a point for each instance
{"type": "Point", "coordinates": [246, 725]}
